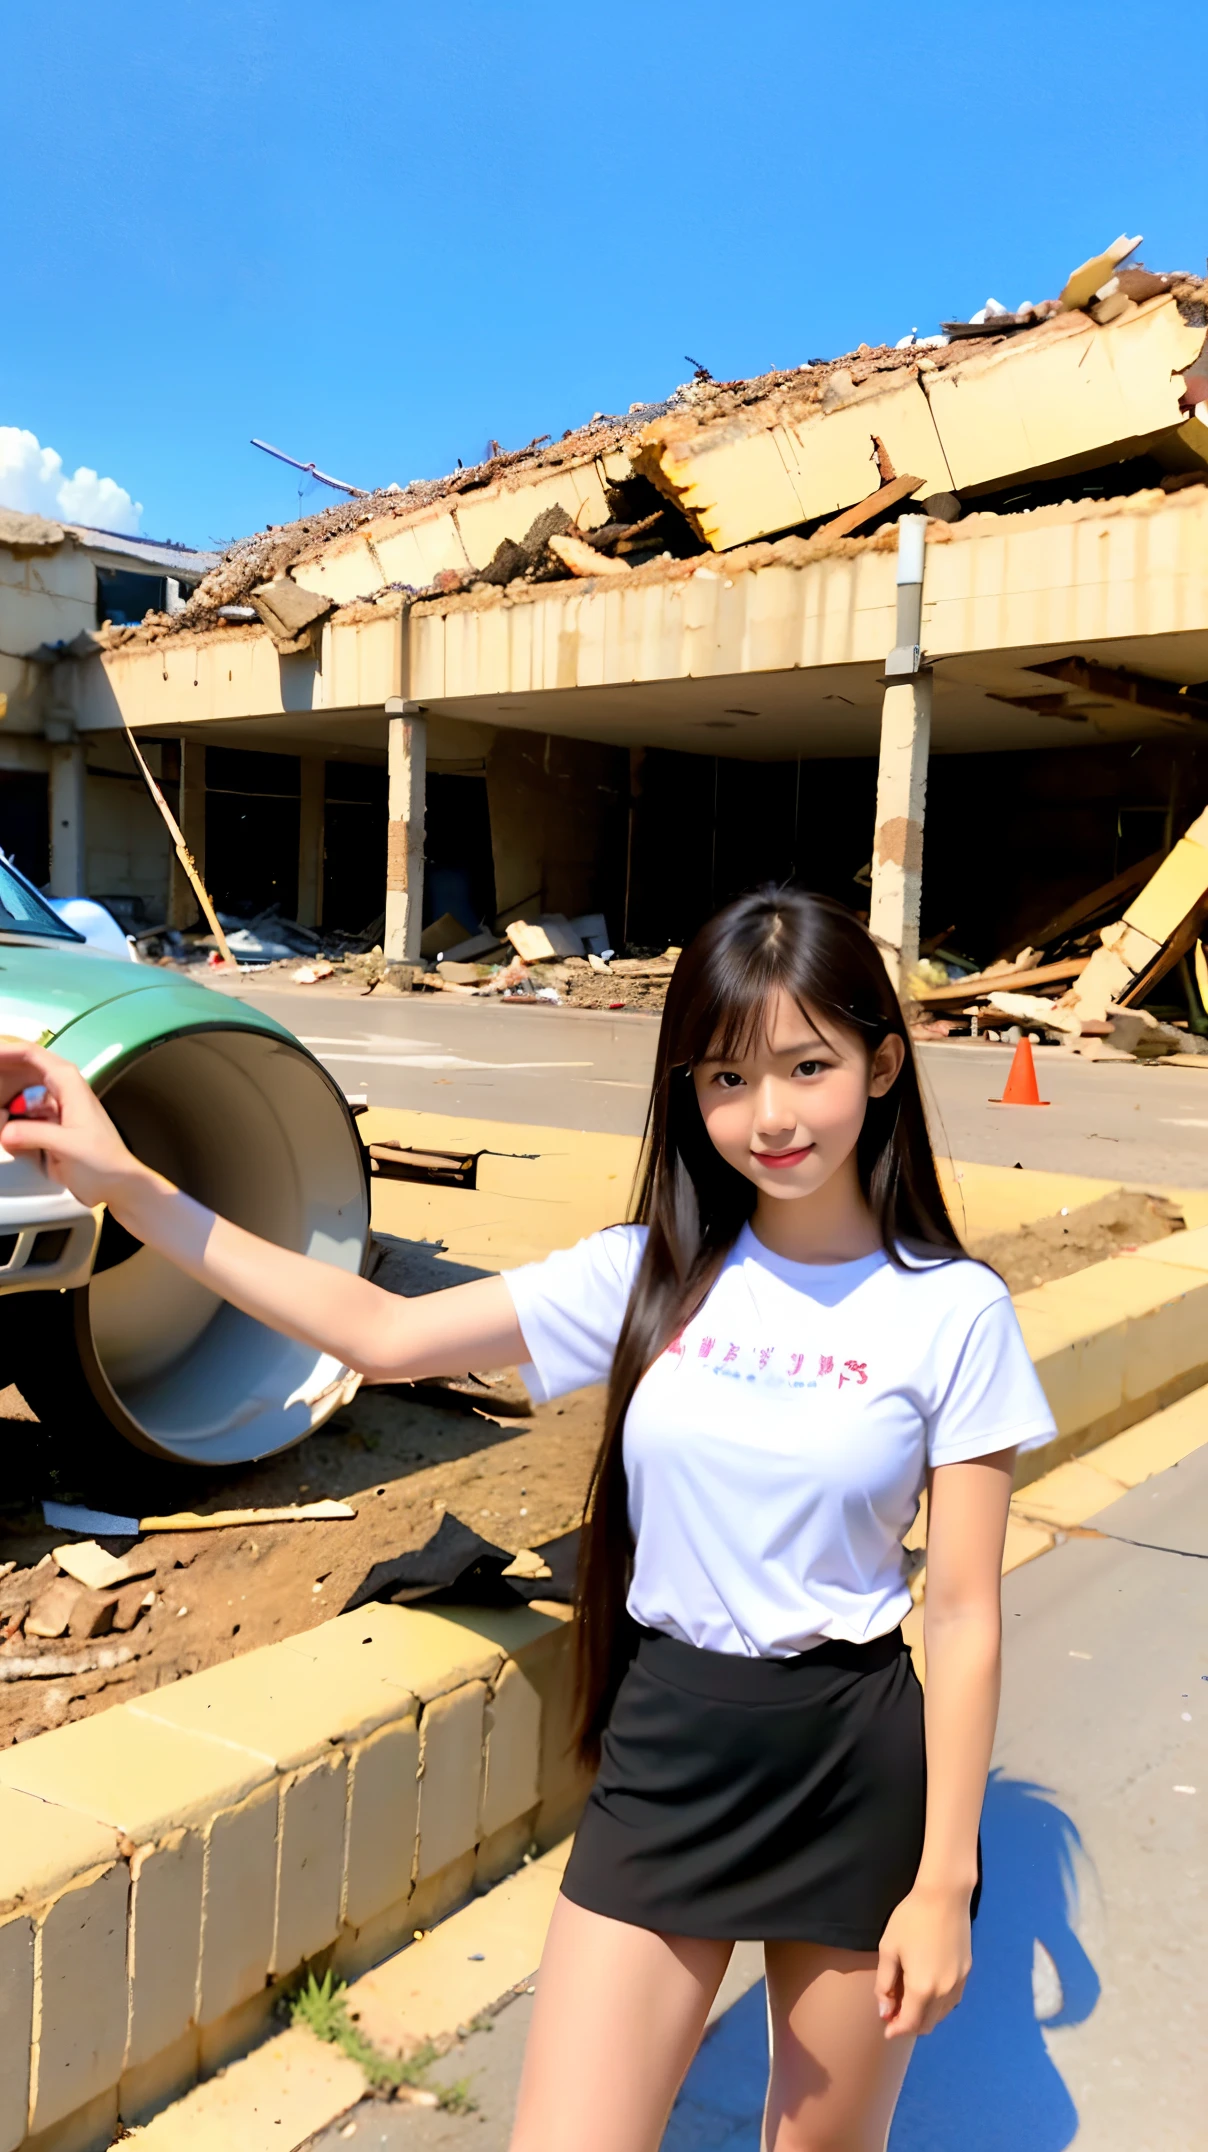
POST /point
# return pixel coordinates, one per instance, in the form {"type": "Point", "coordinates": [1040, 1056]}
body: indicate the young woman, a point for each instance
{"type": "Point", "coordinates": [795, 1346]}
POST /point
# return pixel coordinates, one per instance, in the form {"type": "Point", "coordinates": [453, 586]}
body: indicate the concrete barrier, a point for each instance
{"type": "Point", "coordinates": [167, 1865]}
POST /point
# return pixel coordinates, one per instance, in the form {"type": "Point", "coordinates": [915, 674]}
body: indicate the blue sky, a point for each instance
{"type": "Point", "coordinates": [378, 234]}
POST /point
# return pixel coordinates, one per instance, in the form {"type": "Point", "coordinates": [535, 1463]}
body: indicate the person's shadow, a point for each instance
{"type": "Point", "coordinates": [984, 2080]}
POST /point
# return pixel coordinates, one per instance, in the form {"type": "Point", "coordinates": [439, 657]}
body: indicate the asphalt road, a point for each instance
{"type": "Point", "coordinates": [1082, 2022]}
{"type": "Point", "coordinates": [578, 1068]}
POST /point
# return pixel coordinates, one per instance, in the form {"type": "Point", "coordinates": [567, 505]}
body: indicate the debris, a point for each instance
{"type": "Point", "coordinates": [1034, 1009]}
{"type": "Point", "coordinates": [529, 1565]}
{"type": "Point", "coordinates": [592, 930]}
{"type": "Point", "coordinates": [55, 1665]}
{"type": "Point", "coordinates": [886, 496]}
{"type": "Point", "coordinates": [130, 1606]}
{"type": "Point", "coordinates": [310, 974]}
{"type": "Point", "coordinates": [101, 1572]}
{"type": "Point", "coordinates": [476, 945]}
{"type": "Point", "coordinates": [50, 1614]}
{"type": "Point", "coordinates": [255, 948]}
{"type": "Point", "coordinates": [188, 1520]}
{"type": "Point", "coordinates": [458, 974]}
{"type": "Point", "coordinates": [1090, 277]}
{"type": "Point", "coordinates": [92, 1615]}
{"type": "Point", "coordinates": [1021, 1088]}
{"type": "Point", "coordinates": [549, 935]}
{"type": "Point", "coordinates": [598, 963]}
{"type": "Point", "coordinates": [583, 559]}
{"type": "Point", "coordinates": [289, 612]}
{"type": "Point", "coordinates": [443, 935]}
{"type": "Point", "coordinates": [1157, 929]}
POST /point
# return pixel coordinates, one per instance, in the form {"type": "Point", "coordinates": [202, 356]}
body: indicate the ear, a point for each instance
{"type": "Point", "coordinates": [886, 1065]}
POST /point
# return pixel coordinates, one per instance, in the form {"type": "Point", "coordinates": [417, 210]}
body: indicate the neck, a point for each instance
{"type": "Point", "coordinates": [831, 1225]}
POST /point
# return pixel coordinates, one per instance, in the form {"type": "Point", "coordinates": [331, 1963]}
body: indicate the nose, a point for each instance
{"type": "Point", "coordinates": [775, 1109]}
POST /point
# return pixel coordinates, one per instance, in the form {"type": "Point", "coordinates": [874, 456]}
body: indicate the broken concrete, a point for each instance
{"type": "Point", "coordinates": [1063, 396]}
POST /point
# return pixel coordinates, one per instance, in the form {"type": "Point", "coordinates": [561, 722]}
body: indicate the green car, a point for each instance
{"type": "Point", "coordinates": [100, 1333]}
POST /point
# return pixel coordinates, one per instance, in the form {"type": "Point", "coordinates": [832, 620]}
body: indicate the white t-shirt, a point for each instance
{"type": "Point", "coordinates": [776, 1451]}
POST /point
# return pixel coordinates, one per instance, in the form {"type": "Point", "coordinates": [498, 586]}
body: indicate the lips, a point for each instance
{"type": "Point", "coordinates": [781, 1159]}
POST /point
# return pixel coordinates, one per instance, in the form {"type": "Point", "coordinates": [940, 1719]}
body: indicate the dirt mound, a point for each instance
{"type": "Point", "coordinates": [1055, 1247]}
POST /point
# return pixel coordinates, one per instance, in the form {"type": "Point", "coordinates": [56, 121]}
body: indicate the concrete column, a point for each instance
{"type": "Point", "coordinates": [190, 808]}
{"type": "Point", "coordinates": [897, 859]}
{"type": "Point", "coordinates": [68, 780]}
{"type": "Point", "coordinates": [408, 760]}
{"type": "Point", "coordinates": [310, 842]}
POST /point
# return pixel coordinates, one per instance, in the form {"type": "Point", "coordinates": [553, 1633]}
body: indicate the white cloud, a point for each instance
{"type": "Point", "coordinates": [32, 478]}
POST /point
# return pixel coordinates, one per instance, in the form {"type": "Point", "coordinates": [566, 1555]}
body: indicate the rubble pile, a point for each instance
{"type": "Point", "coordinates": [846, 441]}
{"type": "Point", "coordinates": [1084, 984]}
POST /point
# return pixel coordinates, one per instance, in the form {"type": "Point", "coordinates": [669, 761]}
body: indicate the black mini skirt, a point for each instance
{"type": "Point", "coordinates": [757, 1799]}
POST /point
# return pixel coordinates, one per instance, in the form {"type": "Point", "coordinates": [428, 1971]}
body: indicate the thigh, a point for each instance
{"type": "Point", "coordinates": [618, 2017]}
{"type": "Point", "coordinates": [835, 2077]}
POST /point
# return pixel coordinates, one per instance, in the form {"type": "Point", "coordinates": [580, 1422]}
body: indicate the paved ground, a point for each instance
{"type": "Point", "coordinates": [575, 1068]}
{"type": "Point", "coordinates": [1082, 2024]}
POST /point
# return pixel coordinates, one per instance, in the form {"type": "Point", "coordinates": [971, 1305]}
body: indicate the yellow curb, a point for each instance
{"type": "Point", "coordinates": [464, 1966]}
{"type": "Point", "coordinates": [271, 2101]}
{"type": "Point", "coordinates": [276, 2098]}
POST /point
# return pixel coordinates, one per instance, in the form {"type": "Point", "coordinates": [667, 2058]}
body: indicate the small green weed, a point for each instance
{"type": "Point", "coordinates": [322, 2006]}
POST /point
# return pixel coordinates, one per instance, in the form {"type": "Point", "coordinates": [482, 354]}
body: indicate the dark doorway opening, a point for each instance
{"type": "Point", "coordinates": [253, 817]}
{"type": "Point", "coordinates": [25, 822]}
{"type": "Point", "coordinates": [354, 845]}
{"type": "Point", "coordinates": [459, 871]}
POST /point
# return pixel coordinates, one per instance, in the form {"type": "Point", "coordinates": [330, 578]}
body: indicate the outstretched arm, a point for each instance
{"type": "Point", "coordinates": [379, 1334]}
{"type": "Point", "coordinates": [926, 1951]}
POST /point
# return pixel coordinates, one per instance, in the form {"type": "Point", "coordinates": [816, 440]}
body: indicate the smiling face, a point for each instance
{"type": "Point", "coordinates": [787, 1113]}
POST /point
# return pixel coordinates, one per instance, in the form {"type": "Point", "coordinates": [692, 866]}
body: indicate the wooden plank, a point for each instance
{"type": "Point", "coordinates": [1097, 900]}
{"type": "Point", "coordinates": [851, 519]}
{"type": "Point", "coordinates": [1006, 982]}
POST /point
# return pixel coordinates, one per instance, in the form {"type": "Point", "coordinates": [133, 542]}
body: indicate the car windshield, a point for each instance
{"type": "Point", "coordinates": [23, 911]}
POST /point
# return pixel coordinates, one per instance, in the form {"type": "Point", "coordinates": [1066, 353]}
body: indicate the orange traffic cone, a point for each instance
{"type": "Point", "coordinates": [1021, 1088]}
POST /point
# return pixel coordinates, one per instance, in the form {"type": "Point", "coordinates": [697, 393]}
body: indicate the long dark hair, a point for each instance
{"type": "Point", "coordinates": [695, 1205]}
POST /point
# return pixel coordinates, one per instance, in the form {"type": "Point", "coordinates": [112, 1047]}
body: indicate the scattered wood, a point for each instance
{"type": "Point", "coordinates": [988, 982]}
{"type": "Point", "coordinates": [1099, 900]}
{"type": "Point", "coordinates": [853, 519]}
{"type": "Point", "coordinates": [189, 1520]}
{"type": "Point", "coordinates": [583, 559]}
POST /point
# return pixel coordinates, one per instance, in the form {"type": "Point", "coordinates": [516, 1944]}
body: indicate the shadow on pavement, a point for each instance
{"type": "Point", "coordinates": [984, 2080]}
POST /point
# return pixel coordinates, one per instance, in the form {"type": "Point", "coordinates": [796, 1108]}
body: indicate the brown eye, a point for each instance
{"type": "Point", "coordinates": [808, 1068]}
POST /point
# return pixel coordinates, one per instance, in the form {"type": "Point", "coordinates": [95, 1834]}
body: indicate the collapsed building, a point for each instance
{"type": "Point", "coordinates": [925, 627]}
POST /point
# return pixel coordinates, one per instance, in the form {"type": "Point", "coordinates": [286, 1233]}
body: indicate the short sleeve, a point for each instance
{"type": "Point", "coordinates": [993, 1400]}
{"type": "Point", "coordinates": [570, 1309]}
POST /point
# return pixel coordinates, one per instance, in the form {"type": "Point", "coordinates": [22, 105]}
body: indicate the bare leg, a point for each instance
{"type": "Point", "coordinates": [618, 2017]}
{"type": "Point", "coordinates": [835, 2077]}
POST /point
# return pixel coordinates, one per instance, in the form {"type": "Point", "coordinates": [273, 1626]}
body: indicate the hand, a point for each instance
{"type": "Point", "coordinates": [70, 1133]}
{"type": "Point", "coordinates": [926, 1953]}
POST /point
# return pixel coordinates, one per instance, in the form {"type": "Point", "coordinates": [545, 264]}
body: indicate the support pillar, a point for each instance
{"type": "Point", "coordinates": [407, 769]}
{"type": "Point", "coordinates": [190, 808]}
{"type": "Point", "coordinates": [310, 841]}
{"type": "Point", "coordinates": [897, 860]}
{"type": "Point", "coordinates": [68, 780]}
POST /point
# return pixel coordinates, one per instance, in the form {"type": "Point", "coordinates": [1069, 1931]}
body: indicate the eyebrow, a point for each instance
{"type": "Point", "coordinates": [802, 1046]}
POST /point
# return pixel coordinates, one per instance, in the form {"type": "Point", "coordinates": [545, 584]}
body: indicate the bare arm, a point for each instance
{"type": "Point", "coordinates": [926, 1951]}
{"type": "Point", "coordinates": [378, 1333]}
